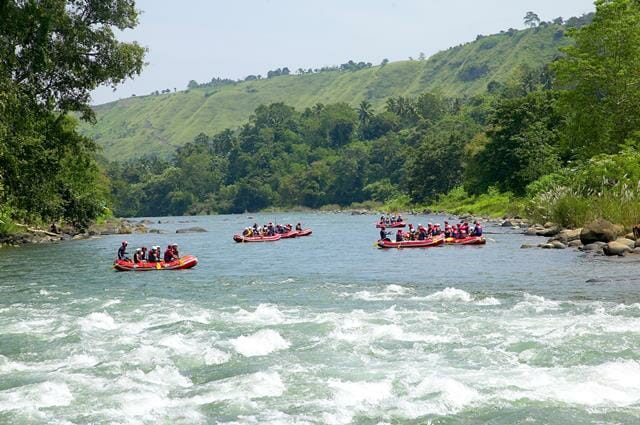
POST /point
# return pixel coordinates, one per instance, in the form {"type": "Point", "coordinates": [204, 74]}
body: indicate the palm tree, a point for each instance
{"type": "Point", "coordinates": [364, 112]}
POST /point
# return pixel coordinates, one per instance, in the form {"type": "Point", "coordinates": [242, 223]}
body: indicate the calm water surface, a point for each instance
{"type": "Point", "coordinates": [325, 329]}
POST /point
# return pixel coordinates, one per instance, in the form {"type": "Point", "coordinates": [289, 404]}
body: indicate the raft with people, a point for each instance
{"type": "Point", "coordinates": [427, 243]}
{"type": "Point", "coordinates": [469, 240]}
{"type": "Point", "coordinates": [182, 263]}
{"type": "Point", "coordinates": [271, 232]}
{"type": "Point", "coordinates": [152, 259]}
{"type": "Point", "coordinates": [392, 222]}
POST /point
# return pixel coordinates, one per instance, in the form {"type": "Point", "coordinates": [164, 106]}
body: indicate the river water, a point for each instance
{"type": "Point", "coordinates": [324, 329]}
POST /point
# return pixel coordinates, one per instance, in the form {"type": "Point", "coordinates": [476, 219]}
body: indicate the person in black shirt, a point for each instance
{"type": "Point", "coordinates": [122, 251]}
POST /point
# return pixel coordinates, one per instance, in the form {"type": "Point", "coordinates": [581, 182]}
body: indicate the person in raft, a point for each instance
{"type": "Point", "coordinates": [384, 234]}
{"type": "Point", "coordinates": [168, 254]}
{"type": "Point", "coordinates": [138, 256]}
{"type": "Point", "coordinates": [299, 227]}
{"type": "Point", "coordinates": [477, 229]}
{"type": "Point", "coordinates": [399, 235]}
{"type": "Point", "coordinates": [122, 252]}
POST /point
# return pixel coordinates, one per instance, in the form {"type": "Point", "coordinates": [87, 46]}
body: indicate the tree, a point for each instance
{"type": "Point", "coordinates": [384, 62]}
{"type": "Point", "coordinates": [531, 20]}
{"type": "Point", "coordinates": [52, 55]}
{"type": "Point", "coordinates": [422, 56]}
{"type": "Point", "coordinates": [599, 80]}
{"type": "Point", "coordinates": [364, 113]}
{"type": "Point", "coordinates": [193, 84]}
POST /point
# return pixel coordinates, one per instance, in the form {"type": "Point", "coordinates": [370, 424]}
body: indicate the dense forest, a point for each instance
{"type": "Point", "coordinates": [557, 142]}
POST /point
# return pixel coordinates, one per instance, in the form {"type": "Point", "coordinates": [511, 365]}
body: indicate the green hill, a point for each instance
{"type": "Point", "coordinates": [159, 123]}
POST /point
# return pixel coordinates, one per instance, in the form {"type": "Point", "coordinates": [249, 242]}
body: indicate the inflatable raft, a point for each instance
{"type": "Point", "coordinates": [304, 232]}
{"type": "Point", "coordinates": [391, 226]}
{"type": "Point", "coordinates": [289, 235]}
{"type": "Point", "coordinates": [185, 262]}
{"type": "Point", "coordinates": [240, 238]}
{"type": "Point", "coordinates": [427, 243]}
{"type": "Point", "coordinates": [469, 240]}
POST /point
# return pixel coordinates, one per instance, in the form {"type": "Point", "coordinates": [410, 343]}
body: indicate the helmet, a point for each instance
{"type": "Point", "coordinates": [125, 243]}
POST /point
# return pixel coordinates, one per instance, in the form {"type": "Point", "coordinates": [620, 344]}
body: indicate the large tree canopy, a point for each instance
{"type": "Point", "coordinates": [600, 80]}
{"type": "Point", "coordinates": [57, 51]}
{"type": "Point", "coordinates": [52, 54]}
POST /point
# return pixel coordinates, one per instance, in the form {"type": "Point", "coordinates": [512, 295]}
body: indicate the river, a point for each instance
{"type": "Point", "coordinates": [323, 329]}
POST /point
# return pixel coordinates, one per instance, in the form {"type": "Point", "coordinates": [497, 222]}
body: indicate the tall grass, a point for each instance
{"type": "Point", "coordinates": [492, 204]}
{"type": "Point", "coordinates": [576, 207]}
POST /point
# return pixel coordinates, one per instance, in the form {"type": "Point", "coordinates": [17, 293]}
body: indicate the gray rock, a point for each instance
{"type": "Point", "coordinates": [156, 231]}
{"type": "Point", "coordinates": [192, 230]}
{"type": "Point", "coordinates": [547, 246]}
{"type": "Point", "coordinates": [615, 248]}
{"type": "Point", "coordinates": [567, 235]}
{"type": "Point", "coordinates": [575, 244]}
{"type": "Point", "coordinates": [549, 224]}
{"type": "Point", "coordinates": [551, 231]}
{"type": "Point", "coordinates": [638, 243]}
{"type": "Point", "coordinates": [596, 246]}
{"type": "Point", "coordinates": [528, 246]}
{"type": "Point", "coordinates": [507, 223]}
{"type": "Point", "coordinates": [628, 242]}
{"type": "Point", "coordinates": [636, 251]}
{"type": "Point", "coordinates": [598, 231]}
{"type": "Point", "coordinates": [531, 231]}
{"type": "Point", "coordinates": [558, 245]}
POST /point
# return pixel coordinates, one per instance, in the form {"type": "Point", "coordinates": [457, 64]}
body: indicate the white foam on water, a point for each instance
{"type": "Point", "coordinates": [261, 343]}
{"type": "Point", "coordinates": [451, 396]}
{"type": "Point", "coordinates": [350, 398]}
{"type": "Point", "coordinates": [450, 294]}
{"type": "Point", "coordinates": [44, 292]}
{"type": "Point", "coordinates": [213, 356]}
{"type": "Point", "coordinates": [536, 304]}
{"type": "Point", "coordinates": [97, 321]}
{"type": "Point", "coordinates": [241, 388]}
{"type": "Point", "coordinates": [489, 301]}
{"type": "Point", "coordinates": [111, 302]}
{"type": "Point", "coordinates": [263, 314]}
{"type": "Point", "coordinates": [390, 292]}
{"type": "Point", "coordinates": [41, 395]}
{"type": "Point", "coordinates": [161, 376]}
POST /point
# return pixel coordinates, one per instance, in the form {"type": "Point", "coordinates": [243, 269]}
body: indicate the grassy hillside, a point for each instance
{"type": "Point", "coordinates": [158, 124]}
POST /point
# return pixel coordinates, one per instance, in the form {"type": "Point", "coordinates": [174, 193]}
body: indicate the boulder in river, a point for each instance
{"type": "Point", "coordinates": [507, 223]}
{"type": "Point", "coordinates": [568, 235]}
{"type": "Point", "coordinates": [628, 242]}
{"type": "Point", "coordinates": [192, 230]}
{"type": "Point", "coordinates": [550, 231]}
{"type": "Point", "coordinates": [528, 246]}
{"type": "Point", "coordinates": [598, 231]}
{"type": "Point", "coordinates": [558, 245]}
{"type": "Point", "coordinates": [596, 246]}
{"type": "Point", "coordinates": [575, 244]}
{"type": "Point", "coordinates": [615, 248]}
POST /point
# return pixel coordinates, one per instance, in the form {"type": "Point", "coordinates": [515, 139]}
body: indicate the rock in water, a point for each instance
{"type": "Point", "coordinates": [558, 245]}
{"type": "Point", "coordinates": [549, 231]}
{"type": "Point", "coordinates": [628, 242]}
{"type": "Point", "coordinates": [191, 230]}
{"type": "Point", "coordinates": [615, 248]}
{"type": "Point", "coordinates": [596, 246]}
{"type": "Point", "coordinates": [598, 231]}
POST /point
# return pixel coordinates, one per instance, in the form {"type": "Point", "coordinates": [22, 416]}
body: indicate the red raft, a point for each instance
{"type": "Point", "coordinates": [289, 235]}
{"type": "Point", "coordinates": [469, 240]}
{"type": "Point", "coordinates": [304, 232]}
{"type": "Point", "coordinates": [396, 225]}
{"type": "Point", "coordinates": [427, 243]}
{"type": "Point", "coordinates": [240, 238]}
{"type": "Point", "coordinates": [185, 262]}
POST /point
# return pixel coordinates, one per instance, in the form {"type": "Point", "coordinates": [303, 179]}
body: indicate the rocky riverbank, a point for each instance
{"type": "Point", "coordinates": [598, 238]}
{"type": "Point", "coordinates": [34, 235]}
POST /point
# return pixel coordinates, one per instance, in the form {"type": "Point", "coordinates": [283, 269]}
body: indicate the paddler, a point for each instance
{"type": "Point", "coordinates": [137, 256]}
{"type": "Point", "coordinates": [152, 258]}
{"type": "Point", "coordinates": [168, 254]}
{"type": "Point", "coordinates": [299, 227]}
{"type": "Point", "coordinates": [383, 234]}
{"type": "Point", "coordinates": [122, 251]}
{"type": "Point", "coordinates": [448, 231]}
{"type": "Point", "coordinates": [477, 229]}
{"type": "Point", "coordinates": [174, 248]}
{"type": "Point", "coordinates": [399, 236]}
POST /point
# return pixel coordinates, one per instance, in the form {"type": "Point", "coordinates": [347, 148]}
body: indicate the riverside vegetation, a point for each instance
{"type": "Point", "coordinates": [557, 141]}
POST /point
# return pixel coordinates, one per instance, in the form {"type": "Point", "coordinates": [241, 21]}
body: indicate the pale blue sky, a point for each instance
{"type": "Point", "coordinates": [200, 39]}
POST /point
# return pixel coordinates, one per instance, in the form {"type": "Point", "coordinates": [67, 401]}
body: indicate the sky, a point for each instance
{"type": "Point", "coordinates": [201, 39]}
